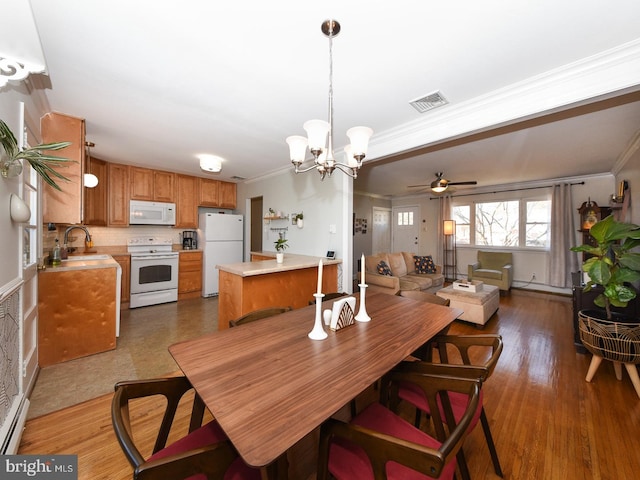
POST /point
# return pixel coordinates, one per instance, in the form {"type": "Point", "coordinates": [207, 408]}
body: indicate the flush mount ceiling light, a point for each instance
{"type": "Point", "coordinates": [90, 180]}
{"type": "Point", "coordinates": [317, 130]}
{"type": "Point", "coordinates": [210, 163]}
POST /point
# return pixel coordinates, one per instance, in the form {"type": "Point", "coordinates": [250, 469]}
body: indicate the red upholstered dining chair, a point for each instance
{"type": "Point", "coordinates": [465, 367]}
{"type": "Point", "coordinates": [378, 444]}
{"type": "Point", "coordinates": [204, 453]}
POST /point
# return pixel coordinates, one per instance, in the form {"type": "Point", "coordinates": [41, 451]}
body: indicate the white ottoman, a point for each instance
{"type": "Point", "coordinates": [477, 306]}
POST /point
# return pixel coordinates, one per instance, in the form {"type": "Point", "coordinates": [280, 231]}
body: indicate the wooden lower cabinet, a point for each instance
{"type": "Point", "coordinates": [125, 289]}
{"type": "Point", "coordinates": [190, 275]}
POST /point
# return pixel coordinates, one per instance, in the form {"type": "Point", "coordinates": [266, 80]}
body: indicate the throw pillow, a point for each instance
{"type": "Point", "coordinates": [383, 268]}
{"type": "Point", "coordinates": [424, 264]}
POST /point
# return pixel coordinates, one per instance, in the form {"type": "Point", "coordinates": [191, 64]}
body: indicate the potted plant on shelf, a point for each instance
{"type": "Point", "coordinates": [42, 163]}
{"type": "Point", "coordinates": [612, 265]}
{"type": "Point", "coordinates": [280, 244]}
{"type": "Point", "coordinates": [299, 219]}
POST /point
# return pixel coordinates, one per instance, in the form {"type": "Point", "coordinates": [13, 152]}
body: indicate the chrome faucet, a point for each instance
{"type": "Point", "coordinates": [81, 227]}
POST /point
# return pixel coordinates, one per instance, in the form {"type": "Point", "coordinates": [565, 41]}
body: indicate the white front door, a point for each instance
{"type": "Point", "coordinates": [405, 229]}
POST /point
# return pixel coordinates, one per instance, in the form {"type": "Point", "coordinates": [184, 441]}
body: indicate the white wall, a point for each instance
{"type": "Point", "coordinates": [326, 204]}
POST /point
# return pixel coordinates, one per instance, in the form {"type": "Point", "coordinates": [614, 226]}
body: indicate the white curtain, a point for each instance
{"type": "Point", "coordinates": [562, 260]}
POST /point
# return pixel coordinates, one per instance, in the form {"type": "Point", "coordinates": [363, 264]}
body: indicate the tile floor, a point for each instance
{"type": "Point", "coordinates": [141, 352]}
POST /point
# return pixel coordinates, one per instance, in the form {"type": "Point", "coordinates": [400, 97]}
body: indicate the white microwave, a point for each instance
{"type": "Point", "coordinates": [151, 213]}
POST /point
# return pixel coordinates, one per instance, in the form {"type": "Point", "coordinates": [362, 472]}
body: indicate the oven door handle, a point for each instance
{"type": "Point", "coordinates": [153, 257]}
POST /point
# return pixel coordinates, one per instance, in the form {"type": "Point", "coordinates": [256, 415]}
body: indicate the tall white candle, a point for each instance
{"type": "Point", "coordinates": [362, 270]}
{"type": "Point", "coordinates": [320, 276]}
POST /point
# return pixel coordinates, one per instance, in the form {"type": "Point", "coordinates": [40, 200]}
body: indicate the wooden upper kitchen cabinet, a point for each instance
{"type": "Point", "coordinates": [187, 201]}
{"type": "Point", "coordinates": [95, 199]}
{"type": "Point", "coordinates": [227, 195]}
{"type": "Point", "coordinates": [152, 185]}
{"type": "Point", "coordinates": [209, 192]}
{"type": "Point", "coordinates": [118, 211]}
{"type": "Point", "coordinates": [65, 206]}
{"type": "Point", "coordinates": [215, 193]}
{"type": "Point", "coordinates": [190, 274]}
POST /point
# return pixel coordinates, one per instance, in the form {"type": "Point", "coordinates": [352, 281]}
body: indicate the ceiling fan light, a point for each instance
{"type": "Point", "coordinates": [317, 131]}
{"type": "Point", "coordinates": [90, 180]}
{"type": "Point", "coordinates": [439, 185]}
{"type": "Point", "coordinates": [210, 163]}
{"type": "Point", "coordinates": [297, 148]}
{"type": "Point", "coordinates": [359, 137]}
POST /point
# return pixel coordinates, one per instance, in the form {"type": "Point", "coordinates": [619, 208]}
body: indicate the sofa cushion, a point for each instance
{"type": "Point", "coordinates": [424, 264]}
{"type": "Point", "coordinates": [383, 268]}
{"type": "Point", "coordinates": [397, 264]}
{"type": "Point", "coordinates": [486, 273]}
{"type": "Point", "coordinates": [408, 261]}
{"type": "Point", "coordinates": [494, 260]}
{"type": "Point", "coordinates": [371, 262]}
{"type": "Point", "coordinates": [423, 282]}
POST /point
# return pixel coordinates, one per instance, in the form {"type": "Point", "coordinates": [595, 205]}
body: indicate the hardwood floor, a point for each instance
{"type": "Point", "coordinates": [547, 422]}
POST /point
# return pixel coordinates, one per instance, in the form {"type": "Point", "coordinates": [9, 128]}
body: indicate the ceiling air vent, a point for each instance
{"type": "Point", "coordinates": [238, 177]}
{"type": "Point", "coordinates": [429, 102]}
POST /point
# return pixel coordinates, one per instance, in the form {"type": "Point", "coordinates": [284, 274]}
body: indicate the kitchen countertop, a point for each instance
{"type": "Point", "coordinates": [83, 262]}
{"type": "Point", "coordinates": [261, 267]}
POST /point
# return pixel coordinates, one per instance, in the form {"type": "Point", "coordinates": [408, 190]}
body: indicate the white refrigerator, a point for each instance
{"type": "Point", "coordinates": [220, 237]}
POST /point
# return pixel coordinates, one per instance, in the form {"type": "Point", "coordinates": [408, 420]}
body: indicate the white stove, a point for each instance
{"type": "Point", "coordinates": [154, 271]}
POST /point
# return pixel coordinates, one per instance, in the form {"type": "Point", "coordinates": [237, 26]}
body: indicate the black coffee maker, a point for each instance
{"type": "Point", "coordinates": [189, 240]}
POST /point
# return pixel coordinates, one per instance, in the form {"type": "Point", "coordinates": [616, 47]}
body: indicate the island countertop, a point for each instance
{"type": "Point", "coordinates": [291, 262]}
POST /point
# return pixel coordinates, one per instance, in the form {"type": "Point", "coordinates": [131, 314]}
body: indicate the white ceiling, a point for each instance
{"type": "Point", "coordinates": [159, 82]}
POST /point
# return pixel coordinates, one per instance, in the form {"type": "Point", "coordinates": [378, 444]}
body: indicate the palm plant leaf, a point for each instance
{"type": "Point", "coordinates": [43, 163]}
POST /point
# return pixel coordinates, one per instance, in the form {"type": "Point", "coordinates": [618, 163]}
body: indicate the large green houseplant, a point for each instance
{"type": "Point", "coordinates": [611, 263]}
{"type": "Point", "coordinates": [41, 162]}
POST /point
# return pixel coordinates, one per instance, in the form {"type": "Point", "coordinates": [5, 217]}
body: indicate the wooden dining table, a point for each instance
{"type": "Point", "coordinates": [269, 385]}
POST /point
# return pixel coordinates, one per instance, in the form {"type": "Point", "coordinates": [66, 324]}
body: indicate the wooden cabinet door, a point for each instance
{"type": "Point", "coordinates": [141, 181]}
{"type": "Point", "coordinates": [125, 288]}
{"type": "Point", "coordinates": [164, 186]}
{"type": "Point", "coordinates": [209, 192]}
{"type": "Point", "coordinates": [118, 211]}
{"type": "Point", "coordinates": [95, 199]}
{"type": "Point", "coordinates": [187, 201]}
{"type": "Point", "coordinates": [227, 195]}
{"type": "Point", "coordinates": [190, 275]}
{"type": "Point", "coordinates": [64, 206]}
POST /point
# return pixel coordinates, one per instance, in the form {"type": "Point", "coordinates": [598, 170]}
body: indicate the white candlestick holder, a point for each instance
{"type": "Point", "coordinates": [362, 315]}
{"type": "Point", "coordinates": [318, 332]}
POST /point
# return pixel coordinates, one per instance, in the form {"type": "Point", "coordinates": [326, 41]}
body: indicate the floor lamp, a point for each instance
{"type": "Point", "coordinates": [449, 257]}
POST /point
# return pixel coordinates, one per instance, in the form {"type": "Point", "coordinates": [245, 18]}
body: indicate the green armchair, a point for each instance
{"type": "Point", "coordinates": [493, 268]}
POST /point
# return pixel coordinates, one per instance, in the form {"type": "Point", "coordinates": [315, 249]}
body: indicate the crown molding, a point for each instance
{"type": "Point", "coordinates": [607, 74]}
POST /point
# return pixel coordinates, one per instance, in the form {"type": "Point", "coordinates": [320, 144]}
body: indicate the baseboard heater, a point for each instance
{"type": "Point", "coordinates": [11, 441]}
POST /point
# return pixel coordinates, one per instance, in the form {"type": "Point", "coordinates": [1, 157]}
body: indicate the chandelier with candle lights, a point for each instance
{"type": "Point", "coordinates": [319, 145]}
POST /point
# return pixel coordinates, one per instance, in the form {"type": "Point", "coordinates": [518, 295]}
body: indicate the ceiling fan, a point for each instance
{"type": "Point", "coordinates": [440, 184]}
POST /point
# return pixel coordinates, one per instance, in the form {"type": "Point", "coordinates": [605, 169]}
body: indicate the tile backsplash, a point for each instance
{"type": "Point", "coordinates": [103, 236]}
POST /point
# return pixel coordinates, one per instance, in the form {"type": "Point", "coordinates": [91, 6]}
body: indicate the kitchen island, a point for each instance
{"type": "Point", "coordinates": [249, 286]}
{"type": "Point", "coordinates": [78, 304]}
